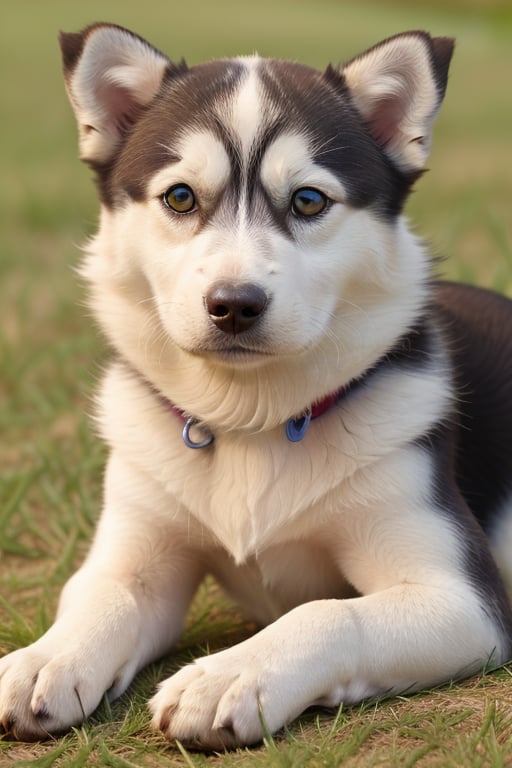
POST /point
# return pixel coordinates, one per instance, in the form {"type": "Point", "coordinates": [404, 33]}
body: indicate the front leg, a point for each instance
{"type": "Point", "coordinates": [422, 619]}
{"type": "Point", "coordinates": [323, 653]}
{"type": "Point", "coordinates": [122, 609]}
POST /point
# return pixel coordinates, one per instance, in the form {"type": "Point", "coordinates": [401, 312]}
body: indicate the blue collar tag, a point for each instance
{"type": "Point", "coordinates": [297, 428]}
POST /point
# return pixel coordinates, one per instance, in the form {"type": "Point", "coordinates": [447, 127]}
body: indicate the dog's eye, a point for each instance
{"type": "Point", "coordinates": [180, 198]}
{"type": "Point", "coordinates": [308, 202]}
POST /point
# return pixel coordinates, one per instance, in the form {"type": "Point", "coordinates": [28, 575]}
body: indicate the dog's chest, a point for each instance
{"type": "Point", "coordinates": [250, 492]}
{"type": "Point", "coordinates": [246, 491]}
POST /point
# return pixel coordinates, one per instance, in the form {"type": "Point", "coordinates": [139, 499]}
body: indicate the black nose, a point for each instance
{"type": "Point", "coordinates": [234, 308]}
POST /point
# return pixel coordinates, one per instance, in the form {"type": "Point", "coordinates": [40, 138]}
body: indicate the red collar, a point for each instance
{"type": "Point", "coordinates": [295, 429]}
{"type": "Point", "coordinates": [324, 405]}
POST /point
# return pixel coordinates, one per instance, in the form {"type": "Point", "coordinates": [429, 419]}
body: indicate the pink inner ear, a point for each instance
{"type": "Point", "coordinates": [385, 120]}
{"type": "Point", "coordinates": [120, 109]}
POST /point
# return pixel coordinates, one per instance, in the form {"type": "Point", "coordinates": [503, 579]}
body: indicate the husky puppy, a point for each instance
{"type": "Point", "coordinates": [296, 406]}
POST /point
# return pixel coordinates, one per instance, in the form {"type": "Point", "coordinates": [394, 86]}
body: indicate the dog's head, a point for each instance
{"type": "Point", "coordinates": [250, 229]}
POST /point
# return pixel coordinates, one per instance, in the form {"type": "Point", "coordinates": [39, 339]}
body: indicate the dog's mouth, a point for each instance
{"type": "Point", "coordinates": [236, 351]}
{"type": "Point", "coordinates": [237, 354]}
{"type": "Point", "coordinates": [246, 349]}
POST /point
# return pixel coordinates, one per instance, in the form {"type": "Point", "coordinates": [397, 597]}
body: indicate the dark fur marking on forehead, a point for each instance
{"type": "Point", "coordinates": [258, 200]}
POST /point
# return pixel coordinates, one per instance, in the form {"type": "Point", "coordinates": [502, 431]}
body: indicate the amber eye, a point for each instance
{"type": "Point", "coordinates": [308, 202]}
{"type": "Point", "coordinates": [180, 198]}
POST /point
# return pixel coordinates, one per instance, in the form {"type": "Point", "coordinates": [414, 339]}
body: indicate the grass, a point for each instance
{"type": "Point", "coordinates": [50, 355]}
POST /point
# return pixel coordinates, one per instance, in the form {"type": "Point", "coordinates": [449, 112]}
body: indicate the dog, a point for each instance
{"type": "Point", "coordinates": [297, 405]}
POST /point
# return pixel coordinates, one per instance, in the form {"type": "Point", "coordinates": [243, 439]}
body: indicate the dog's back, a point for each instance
{"type": "Point", "coordinates": [478, 324]}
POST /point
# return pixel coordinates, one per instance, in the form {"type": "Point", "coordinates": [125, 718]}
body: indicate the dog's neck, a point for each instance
{"type": "Point", "coordinates": [408, 348]}
{"type": "Point", "coordinates": [295, 428]}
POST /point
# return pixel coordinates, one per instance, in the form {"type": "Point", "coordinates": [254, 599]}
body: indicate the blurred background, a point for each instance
{"type": "Point", "coordinates": [48, 203]}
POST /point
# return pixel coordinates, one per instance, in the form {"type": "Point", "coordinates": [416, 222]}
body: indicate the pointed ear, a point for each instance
{"type": "Point", "coordinates": [111, 75]}
{"type": "Point", "coordinates": [398, 87]}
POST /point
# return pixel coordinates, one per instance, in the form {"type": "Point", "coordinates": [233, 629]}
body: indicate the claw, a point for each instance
{"type": "Point", "coordinates": [42, 712]}
{"type": "Point", "coordinates": [164, 722]}
{"type": "Point", "coordinates": [226, 733]}
{"type": "Point", "coordinates": [84, 716]}
{"type": "Point", "coordinates": [7, 724]}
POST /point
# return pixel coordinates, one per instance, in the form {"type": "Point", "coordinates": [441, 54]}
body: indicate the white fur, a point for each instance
{"type": "Point", "coordinates": [288, 529]}
{"type": "Point", "coordinates": [245, 111]}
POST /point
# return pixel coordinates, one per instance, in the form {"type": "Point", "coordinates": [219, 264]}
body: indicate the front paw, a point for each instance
{"type": "Point", "coordinates": [209, 705]}
{"type": "Point", "coordinates": [43, 692]}
{"type": "Point", "coordinates": [231, 698]}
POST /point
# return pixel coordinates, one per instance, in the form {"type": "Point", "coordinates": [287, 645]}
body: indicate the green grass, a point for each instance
{"type": "Point", "coordinates": [50, 355]}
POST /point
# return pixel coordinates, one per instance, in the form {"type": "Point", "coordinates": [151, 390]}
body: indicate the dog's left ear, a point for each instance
{"type": "Point", "coordinates": [111, 76]}
{"type": "Point", "coordinates": [398, 87]}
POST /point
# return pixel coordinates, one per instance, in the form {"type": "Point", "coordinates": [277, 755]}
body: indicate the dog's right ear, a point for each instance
{"type": "Point", "coordinates": [111, 76]}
